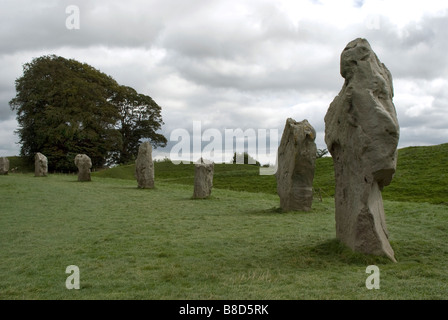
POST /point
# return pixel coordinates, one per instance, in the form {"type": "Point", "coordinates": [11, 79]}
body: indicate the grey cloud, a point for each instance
{"type": "Point", "coordinates": [421, 136]}
{"type": "Point", "coordinates": [26, 25]}
{"type": "Point", "coordinates": [223, 32]}
{"type": "Point", "coordinates": [5, 111]}
{"type": "Point", "coordinates": [231, 64]}
{"type": "Point", "coordinates": [8, 140]}
{"type": "Point", "coordinates": [6, 94]}
{"type": "Point", "coordinates": [42, 24]}
{"type": "Point", "coordinates": [309, 77]}
{"type": "Point", "coordinates": [417, 51]}
{"type": "Point", "coordinates": [259, 63]}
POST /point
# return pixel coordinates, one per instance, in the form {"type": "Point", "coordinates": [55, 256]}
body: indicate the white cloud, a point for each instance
{"type": "Point", "coordinates": [404, 12]}
{"type": "Point", "coordinates": [239, 64]}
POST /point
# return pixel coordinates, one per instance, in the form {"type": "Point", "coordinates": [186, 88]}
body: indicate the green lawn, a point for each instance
{"type": "Point", "coordinates": [160, 244]}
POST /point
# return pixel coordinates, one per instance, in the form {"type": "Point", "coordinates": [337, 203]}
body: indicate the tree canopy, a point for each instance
{"type": "Point", "coordinates": [65, 107]}
{"type": "Point", "coordinates": [139, 117]}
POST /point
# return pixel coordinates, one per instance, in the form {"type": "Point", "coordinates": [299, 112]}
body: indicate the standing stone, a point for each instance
{"type": "Point", "coordinates": [203, 179]}
{"type": "Point", "coordinates": [144, 166]}
{"type": "Point", "coordinates": [296, 163]}
{"type": "Point", "coordinates": [362, 132]}
{"type": "Point", "coordinates": [4, 165]}
{"type": "Point", "coordinates": [40, 165]}
{"type": "Point", "coordinates": [84, 164]}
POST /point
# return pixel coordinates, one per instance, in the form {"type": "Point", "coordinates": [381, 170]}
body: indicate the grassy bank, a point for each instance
{"type": "Point", "coordinates": [421, 176]}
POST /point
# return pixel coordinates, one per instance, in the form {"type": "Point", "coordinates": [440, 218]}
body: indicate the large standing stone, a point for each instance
{"type": "Point", "coordinates": [40, 165]}
{"type": "Point", "coordinates": [144, 166]}
{"type": "Point", "coordinates": [296, 163]}
{"type": "Point", "coordinates": [362, 132]}
{"type": "Point", "coordinates": [203, 179]}
{"type": "Point", "coordinates": [4, 165]}
{"type": "Point", "coordinates": [84, 164]}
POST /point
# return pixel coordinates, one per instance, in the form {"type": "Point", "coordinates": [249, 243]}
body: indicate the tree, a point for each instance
{"type": "Point", "coordinates": [140, 118]}
{"type": "Point", "coordinates": [321, 153]}
{"type": "Point", "coordinates": [244, 158]}
{"type": "Point", "coordinates": [64, 108]}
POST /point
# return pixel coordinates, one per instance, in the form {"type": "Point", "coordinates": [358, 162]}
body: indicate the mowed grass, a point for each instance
{"type": "Point", "coordinates": [131, 243]}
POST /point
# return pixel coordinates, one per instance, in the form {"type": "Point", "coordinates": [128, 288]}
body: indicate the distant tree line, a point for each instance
{"type": "Point", "coordinates": [65, 107]}
{"type": "Point", "coordinates": [244, 158]}
{"type": "Point", "coordinates": [321, 153]}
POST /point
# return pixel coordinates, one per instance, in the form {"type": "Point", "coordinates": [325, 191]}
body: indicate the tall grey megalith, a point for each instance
{"type": "Point", "coordinates": [362, 133]}
{"type": "Point", "coordinates": [203, 178]}
{"type": "Point", "coordinates": [144, 166]}
{"type": "Point", "coordinates": [4, 165]}
{"type": "Point", "coordinates": [40, 165]}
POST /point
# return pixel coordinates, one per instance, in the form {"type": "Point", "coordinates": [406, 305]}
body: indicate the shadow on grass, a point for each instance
{"type": "Point", "coordinates": [261, 212]}
{"type": "Point", "coordinates": [328, 254]}
{"type": "Point", "coordinates": [209, 198]}
{"type": "Point", "coordinates": [333, 249]}
{"type": "Point", "coordinates": [130, 187]}
{"type": "Point", "coordinates": [274, 210]}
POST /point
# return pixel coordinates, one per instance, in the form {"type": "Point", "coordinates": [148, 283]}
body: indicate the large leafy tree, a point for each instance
{"type": "Point", "coordinates": [65, 107]}
{"type": "Point", "coordinates": [139, 118]}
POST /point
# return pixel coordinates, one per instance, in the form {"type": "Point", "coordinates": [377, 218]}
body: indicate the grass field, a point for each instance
{"type": "Point", "coordinates": [160, 244]}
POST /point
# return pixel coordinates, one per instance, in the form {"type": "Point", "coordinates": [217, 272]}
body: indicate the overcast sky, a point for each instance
{"type": "Point", "coordinates": [234, 63]}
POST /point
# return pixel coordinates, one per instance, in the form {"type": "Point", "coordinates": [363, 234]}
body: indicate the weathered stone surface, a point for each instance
{"type": "Point", "coordinates": [296, 163]}
{"type": "Point", "coordinates": [144, 166]}
{"type": "Point", "coordinates": [84, 164]}
{"type": "Point", "coordinates": [203, 179]}
{"type": "Point", "coordinates": [40, 165]}
{"type": "Point", "coordinates": [362, 132]}
{"type": "Point", "coordinates": [4, 165]}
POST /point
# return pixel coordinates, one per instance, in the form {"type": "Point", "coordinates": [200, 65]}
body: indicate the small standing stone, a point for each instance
{"type": "Point", "coordinates": [144, 166]}
{"type": "Point", "coordinates": [40, 165]}
{"type": "Point", "coordinates": [203, 179]}
{"type": "Point", "coordinates": [84, 164]}
{"type": "Point", "coordinates": [296, 164]}
{"type": "Point", "coordinates": [4, 165]}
